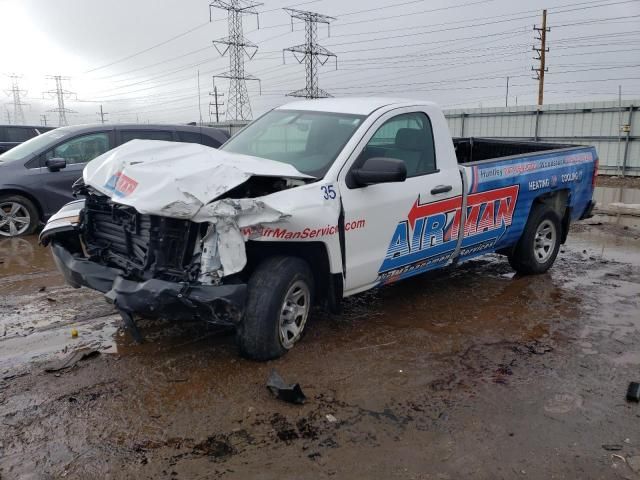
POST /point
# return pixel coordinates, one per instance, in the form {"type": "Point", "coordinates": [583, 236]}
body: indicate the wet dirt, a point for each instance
{"type": "Point", "coordinates": [469, 372]}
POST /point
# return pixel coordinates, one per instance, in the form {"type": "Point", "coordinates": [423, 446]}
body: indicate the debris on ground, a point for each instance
{"type": "Point", "coordinates": [612, 447]}
{"type": "Point", "coordinates": [72, 359]}
{"type": "Point", "coordinates": [633, 392]}
{"type": "Point", "coordinates": [74, 333]}
{"type": "Point", "coordinates": [330, 418]}
{"type": "Point", "coordinates": [289, 393]}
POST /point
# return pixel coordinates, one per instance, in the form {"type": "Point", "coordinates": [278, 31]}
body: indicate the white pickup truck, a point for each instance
{"type": "Point", "coordinates": [312, 202]}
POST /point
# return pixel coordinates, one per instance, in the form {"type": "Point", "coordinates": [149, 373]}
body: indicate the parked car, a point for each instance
{"type": "Point", "coordinates": [36, 176]}
{"type": "Point", "coordinates": [13, 135]}
{"type": "Point", "coordinates": [312, 202]}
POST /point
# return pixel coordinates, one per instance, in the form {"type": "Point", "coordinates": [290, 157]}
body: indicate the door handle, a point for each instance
{"type": "Point", "coordinates": [441, 189]}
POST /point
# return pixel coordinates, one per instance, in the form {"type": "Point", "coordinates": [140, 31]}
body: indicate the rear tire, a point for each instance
{"type": "Point", "coordinates": [18, 216]}
{"type": "Point", "coordinates": [279, 298]}
{"type": "Point", "coordinates": [538, 247]}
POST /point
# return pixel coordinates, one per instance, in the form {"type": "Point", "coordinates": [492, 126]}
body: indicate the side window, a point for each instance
{"type": "Point", "coordinates": [128, 135]}
{"type": "Point", "coordinates": [19, 134]}
{"type": "Point", "coordinates": [407, 137]}
{"type": "Point", "coordinates": [189, 137]}
{"type": "Point", "coordinates": [81, 149]}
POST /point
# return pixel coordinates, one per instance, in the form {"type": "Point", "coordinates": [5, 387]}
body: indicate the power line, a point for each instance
{"type": "Point", "coordinates": [313, 54]}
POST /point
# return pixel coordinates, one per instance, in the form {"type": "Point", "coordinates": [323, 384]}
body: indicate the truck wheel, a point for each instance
{"type": "Point", "coordinates": [18, 216]}
{"type": "Point", "coordinates": [278, 302]}
{"type": "Point", "coordinates": [540, 242]}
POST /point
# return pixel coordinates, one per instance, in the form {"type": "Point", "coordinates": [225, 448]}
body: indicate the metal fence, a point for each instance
{"type": "Point", "coordinates": [612, 128]}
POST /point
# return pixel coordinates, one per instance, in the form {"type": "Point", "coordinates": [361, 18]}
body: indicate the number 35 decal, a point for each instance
{"type": "Point", "coordinates": [328, 191]}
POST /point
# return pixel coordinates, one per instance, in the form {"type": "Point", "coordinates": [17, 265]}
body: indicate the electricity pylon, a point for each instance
{"type": "Point", "coordinates": [237, 46]}
{"type": "Point", "coordinates": [313, 54]}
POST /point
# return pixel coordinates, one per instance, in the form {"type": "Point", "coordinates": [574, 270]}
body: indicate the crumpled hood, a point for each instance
{"type": "Point", "coordinates": [175, 179]}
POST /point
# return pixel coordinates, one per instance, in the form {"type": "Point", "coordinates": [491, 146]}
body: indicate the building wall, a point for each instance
{"type": "Point", "coordinates": [592, 123]}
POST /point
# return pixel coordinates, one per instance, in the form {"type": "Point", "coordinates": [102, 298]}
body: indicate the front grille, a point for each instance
{"type": "Point", "coordinates": [144, 246]}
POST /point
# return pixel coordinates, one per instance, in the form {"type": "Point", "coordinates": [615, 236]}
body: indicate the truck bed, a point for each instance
{"type": "Point", "coordinates": [472, 149]}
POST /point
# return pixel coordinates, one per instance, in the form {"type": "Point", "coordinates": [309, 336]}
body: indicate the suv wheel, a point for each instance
{"type": "Point", "coordinates": [18, 216]}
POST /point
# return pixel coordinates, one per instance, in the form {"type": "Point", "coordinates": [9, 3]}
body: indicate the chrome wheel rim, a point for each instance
{"type": "Point", "coordinates": [294, 313]}
{"type": "Point", "coordinates": [545, 241]}
{"type": "Point", "coordinates": [14, 219]}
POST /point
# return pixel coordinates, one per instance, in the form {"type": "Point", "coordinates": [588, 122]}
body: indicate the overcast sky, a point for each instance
{"type": "Point", "coordinates": [457, 53]}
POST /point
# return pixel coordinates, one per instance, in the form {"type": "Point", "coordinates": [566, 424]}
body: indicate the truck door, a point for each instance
{"type": "Point", "coordinates": [402, 228]}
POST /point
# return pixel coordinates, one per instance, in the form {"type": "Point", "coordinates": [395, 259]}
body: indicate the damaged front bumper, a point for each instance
{"type": "Point", "coordinates": [221, 304]}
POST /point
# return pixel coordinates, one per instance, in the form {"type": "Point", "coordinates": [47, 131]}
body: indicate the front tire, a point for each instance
{"type": "Point", "coordinates": [538, 247]}
{"type": "Point", "coordinates": [18, 216]}
{"type": "Point", "coordinates": [279, 297]}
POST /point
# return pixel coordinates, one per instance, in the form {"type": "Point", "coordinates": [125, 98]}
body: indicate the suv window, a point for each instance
{"type": "Point", "coordinates": [81, 149]}
{"type": "Point", "coordinates": [128, 135]}
{"type": "Point", "coordinates": [189, 137]}
{"type": "Point", "coordinates": [407, 137]}
{"type": "Point", "coordinates": [19, 134]}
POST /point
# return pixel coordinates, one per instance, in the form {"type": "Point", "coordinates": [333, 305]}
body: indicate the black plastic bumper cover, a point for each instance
{"type": "Point", "coordinates": [218, 303]}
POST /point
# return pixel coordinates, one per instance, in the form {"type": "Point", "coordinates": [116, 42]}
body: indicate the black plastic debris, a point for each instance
{"type": "Point", "coordinates": [612, 447]}
{"type": "Point", "coordinates": [633, 392]}
{"type": "Point", "coordinates": [71, 359]}
{"type": "Point", "coordinates": [288, 393]}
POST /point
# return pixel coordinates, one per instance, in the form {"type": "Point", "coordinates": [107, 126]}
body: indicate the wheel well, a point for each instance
{"type": "Point", "coordinates": [558, 201]}
{"type": "Point", "coordinates": [33, 199]}
{"type": "Point", "coordinates": [314, 253]}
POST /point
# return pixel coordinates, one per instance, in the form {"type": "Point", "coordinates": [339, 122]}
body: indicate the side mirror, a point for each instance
{"type": "Point", "coordinates": [55, 164]}
{"type": "Point", "coordinates": [379, 170]}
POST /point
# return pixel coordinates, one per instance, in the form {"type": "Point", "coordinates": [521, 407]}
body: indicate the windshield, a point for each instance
{"type": "Point", "coordinates": [310, 141]}
{"type": "Point", "coordinates": [31, 146]}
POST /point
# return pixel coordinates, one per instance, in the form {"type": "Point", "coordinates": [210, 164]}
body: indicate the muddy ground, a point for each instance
{"type": "Point", "coordinates": [470, 372]}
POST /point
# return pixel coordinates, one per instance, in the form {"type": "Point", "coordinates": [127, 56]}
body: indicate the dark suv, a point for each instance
{"type": "Point", "coordinates": [36, 176]}
{"type": "Point", "coordinates": [13, 135]}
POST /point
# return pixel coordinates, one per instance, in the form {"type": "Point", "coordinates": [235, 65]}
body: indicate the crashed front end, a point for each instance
{"type": "Point", "coordinates": [183, 254]}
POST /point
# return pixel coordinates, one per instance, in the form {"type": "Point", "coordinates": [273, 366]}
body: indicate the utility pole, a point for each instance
{"type": "Point", "coordinates": [60, 93]}
{"type": "Point", "coordinates": [199, 99]}
{"type": "Point", "coordinates": [8, 117]}
{"type": "Point", "coordinates": [15, 92]}
{"type": "Point", "coordinates": [102, 114]}
{"type": "Point", "coordinates": [541, 56]}
{"type": "Point", "coordinates": [237, 46]}
{"type": "Point", "coordinates": [43, 120]}
{"type": "Point", "coordinates": [313, 54]}
{"type": "Point", "coordinates": [215, 103]}
{"type": "Point", "coordinates": [506, 97]}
